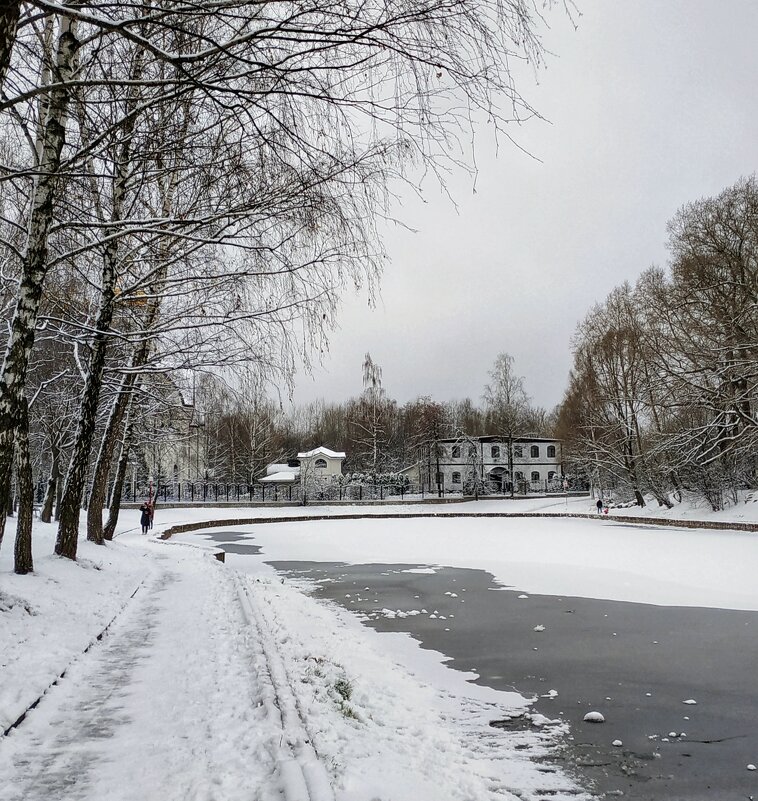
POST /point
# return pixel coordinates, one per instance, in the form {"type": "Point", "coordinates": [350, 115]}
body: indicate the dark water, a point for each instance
{"type": "Point", "coordinates": [634, 663]}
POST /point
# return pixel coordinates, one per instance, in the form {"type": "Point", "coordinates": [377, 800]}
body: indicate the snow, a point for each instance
{"type": "Point", "coordinates": [282, 477]}
{"type": "Point", "coordinates": [594, 717]}
{"type": "Point", "coordinates": [599, 559]}
{"type": "Point", "coordinates": [219, 684]}
{"type": "Point", "coordinates": [49, 618]}
{"type": "Point", "coordinates": [321, 451]}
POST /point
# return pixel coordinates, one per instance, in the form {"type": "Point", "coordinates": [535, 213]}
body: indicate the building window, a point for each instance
{"type": "Point", "coordinates": [456, 452]}
{"type": "Point", "coordinates": [535, 475]}
{"type": "Point", "coordinates": [551, 475]}
{"type": "Point", "coordinates": [551, 451]}
{"type": "Point", "coordinates": [519, 476]}
{"type": "Point", "coordinates": [518, 452]}
{"type": "Point", "coordinates": [456, 478]}
{"type": "Point", "coordinates": [495, 451]}
{"type": "Point", "coordinates": [320, 463]}
{"type": "Point", "coordinates": [535, 451]}
{"type": "Point", "coordinates": [472, 450]}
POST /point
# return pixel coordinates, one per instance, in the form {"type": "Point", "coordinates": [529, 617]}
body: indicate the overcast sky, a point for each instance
{"type": "Point", "coordinates": [650, 105]}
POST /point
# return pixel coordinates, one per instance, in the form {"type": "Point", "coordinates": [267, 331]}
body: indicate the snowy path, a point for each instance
{"type": "Point", "coordinates": [167, 707]}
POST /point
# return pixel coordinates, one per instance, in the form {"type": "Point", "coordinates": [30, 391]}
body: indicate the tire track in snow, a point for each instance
{"type": "Point", "coordinates": [302, 773]}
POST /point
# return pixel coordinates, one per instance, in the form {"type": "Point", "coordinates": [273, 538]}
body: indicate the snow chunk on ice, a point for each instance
{"type": "Point", "coordinates": [524, 597]}
{"type": "Point", "coordinates": [751, 766]}
{"type": "Point", "coordinates": [431, 570]}
{"type": "Point", "coordinates": [594, 717]}
{"type": "Point", "coordinates": [690, 701]}
{"type": "Point", "coordinates": [617, 743]}
{"type": "Point", "coordinates": [539, 628]}
{"type": "Point", "coordinates": [540, 720]}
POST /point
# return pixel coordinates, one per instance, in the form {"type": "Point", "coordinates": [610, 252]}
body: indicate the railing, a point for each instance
{"type": "Point", "coordinates": [228, 492]}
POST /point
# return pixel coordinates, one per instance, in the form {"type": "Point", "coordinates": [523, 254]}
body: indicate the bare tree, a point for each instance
{"type": "Point", "coordinates": [507, 405]}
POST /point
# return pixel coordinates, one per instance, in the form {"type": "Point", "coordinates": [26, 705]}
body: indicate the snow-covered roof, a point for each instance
{"type": "Point", "coordinates": [279, 467]}
{"type": "Point", "coordinates": [283, 477]}
{"type": "Point", "coordinates": [321, 451]}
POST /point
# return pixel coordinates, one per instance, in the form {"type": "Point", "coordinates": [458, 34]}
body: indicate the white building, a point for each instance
{"type": "Point", "coordinates": [537, 463]}
{"type": "Point", "coordinates": [319, 463]}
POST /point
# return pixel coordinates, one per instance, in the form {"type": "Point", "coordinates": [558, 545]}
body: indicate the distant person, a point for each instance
{"type": "Point", "coordinates": [599, 505]}
{"type": "Point", "coordinates": [151, 511]}
{"type": "Point", "coordinates": [145, 517]}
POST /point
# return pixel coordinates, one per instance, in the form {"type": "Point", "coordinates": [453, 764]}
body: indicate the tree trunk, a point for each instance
{"type": "Point", "coordinates": [23, 562]}
{"type": "Point", "coordinates": [102, 468]}
{"type": "Point", "coordinates": [118, 485]}
{"type": "Point", "coordinates": [68, 527]}
{"type": "Point", "coordinates": [7, 511]}
{"type": "Point", "coordinates": [46, 515]}
{"type": "Point", "coordinates": [10, 10]}
{"type": "Point", "coordinates": [34, 262]}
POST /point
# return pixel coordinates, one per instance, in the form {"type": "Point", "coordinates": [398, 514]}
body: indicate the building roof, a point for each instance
{"type": "Point", "coordinates": [283, 477]}
{"type": "Point", "coordinates": [321, 451]}
{"type": "Point", "coordinates": [279, 467]}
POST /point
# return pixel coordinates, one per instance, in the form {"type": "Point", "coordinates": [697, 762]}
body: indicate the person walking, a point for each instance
{"type": "Point", "coordinates": [145, 517]}
{"type": "Point", "coordinates": [599, 505]}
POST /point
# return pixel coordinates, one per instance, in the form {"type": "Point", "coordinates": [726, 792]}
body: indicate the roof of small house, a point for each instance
{"type": "Point", "coordinates": [283, 477]}
{"type": "Point", "coordinates": [321, 451]}
{"type": "Point", "coordinates": [279, 467]}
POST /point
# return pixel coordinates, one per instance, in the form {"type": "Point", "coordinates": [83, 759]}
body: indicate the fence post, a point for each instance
{"type": "Point", "coordinates": [381, 492]}
{"type": "Point", "coordinates": [360, 492]}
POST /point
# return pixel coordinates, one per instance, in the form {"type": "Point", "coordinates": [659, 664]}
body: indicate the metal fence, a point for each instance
{"type": "Point", "coordinates": [228, 492]}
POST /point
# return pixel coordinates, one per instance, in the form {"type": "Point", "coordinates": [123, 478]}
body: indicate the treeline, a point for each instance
{"type": "Point", "coordinates": [663, 395]}
{"type": "Point", "coordinates": [244, 430]}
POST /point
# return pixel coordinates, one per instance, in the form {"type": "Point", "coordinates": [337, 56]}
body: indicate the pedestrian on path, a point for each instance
{"type": "Point", "coordinates": [599, 505]}
{"type": "Point", "coordinates": [145, 517]}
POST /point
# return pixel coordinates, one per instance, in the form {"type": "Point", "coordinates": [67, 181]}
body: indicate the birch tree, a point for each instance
{"type": "Point", "coordinates": [507, 405]}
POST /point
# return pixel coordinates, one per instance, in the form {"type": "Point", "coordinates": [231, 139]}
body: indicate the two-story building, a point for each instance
{"type": "Point", "coordinates": [453, 463]}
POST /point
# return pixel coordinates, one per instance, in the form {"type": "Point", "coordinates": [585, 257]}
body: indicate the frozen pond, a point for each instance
{"type": "Point", "coordinates": [635, 663]}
